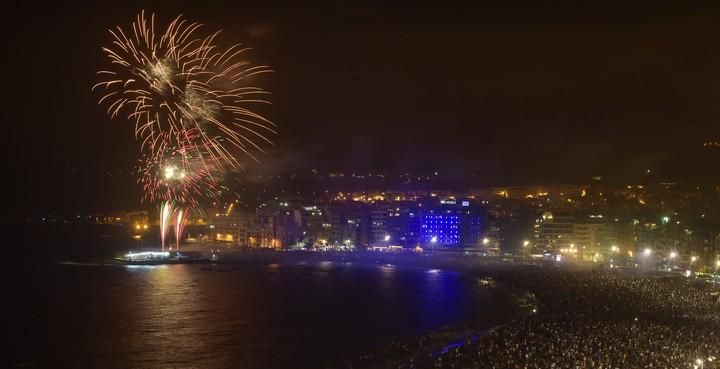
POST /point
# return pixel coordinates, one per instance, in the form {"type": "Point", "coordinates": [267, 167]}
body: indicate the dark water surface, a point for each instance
{"type": "Point", "coordinates": [247, 315]}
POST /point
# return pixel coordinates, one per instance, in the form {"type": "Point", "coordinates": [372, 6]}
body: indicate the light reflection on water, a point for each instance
{"type": "Point", "coordinates": [253, 316]}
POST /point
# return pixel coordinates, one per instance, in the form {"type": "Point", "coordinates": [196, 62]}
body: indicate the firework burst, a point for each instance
{"type": "Point", "coordinates": [179, 174]}
{"type": "Point", "coordinates": [176, 81]}
{"type": "Point", "coordinates": [193, 106]}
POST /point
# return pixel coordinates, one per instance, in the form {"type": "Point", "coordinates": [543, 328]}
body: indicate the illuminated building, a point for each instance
{"type": "Point", "coordinates": [593, 238]}
{"type": "Point", "coordinates": [346, 225]}
{"type": "Point", "coordinates": [282, 227]}
{"type": "Point", "coordinates": [400, 220]}
{"type": "Point", "coordinates": [225, 225]}
{"type": "Point", "coordinates": [454, 224]}
{"type": "Point", "coordinates": [378, 222]}
{"type": "Point", "coordinates": [582, 237]}
{"type": "Point", "coordinates": [553, 232]}
{"type": "Point", "coordinates": [309, 221]}
{"type": "Point", "coordinates": [137, 217]}
{"type": "Point", "coordinates": [441, 228]}
{"type": "Point", "coordinates": [249, 230]}
{"type": "Point", "coordinates": [403, 224]}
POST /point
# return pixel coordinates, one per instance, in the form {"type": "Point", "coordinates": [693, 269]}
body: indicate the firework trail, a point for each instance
{"type": "Point", "coordinates": [173, 81]}
{"type": "Point", "coordinates": [193, 104]}
{"type": "Point", "coordinates": [180, 222]}
{"type": "Point", "coordinates": [165, 219]}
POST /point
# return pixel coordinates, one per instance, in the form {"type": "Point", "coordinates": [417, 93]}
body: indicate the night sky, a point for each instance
{"type": "Point", "coordinates": [522, 92]}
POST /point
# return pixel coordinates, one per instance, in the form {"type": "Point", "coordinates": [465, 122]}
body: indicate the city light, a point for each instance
{"type": "Point", "coordinates": [546, 157]}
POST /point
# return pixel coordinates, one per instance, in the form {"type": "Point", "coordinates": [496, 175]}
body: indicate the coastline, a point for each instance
{"type": "Point", "coordinates": [635, 318]}
{"type": "Point", "coordinates": [422, 349]}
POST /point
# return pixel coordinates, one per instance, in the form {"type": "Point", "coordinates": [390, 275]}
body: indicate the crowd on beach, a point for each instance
{"type": "Point", "coordinates": [602, 320]}
{"type": "Point", "coordinates": [593, 319]}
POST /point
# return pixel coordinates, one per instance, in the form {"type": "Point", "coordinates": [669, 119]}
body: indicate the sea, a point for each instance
{"type": "Point", "coordinates": [72, 311]}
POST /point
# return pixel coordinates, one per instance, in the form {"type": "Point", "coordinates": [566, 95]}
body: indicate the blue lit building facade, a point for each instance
{"type": "Point", "coordinates": [442, 227]}
{"type": "Point", "coordinates": [453, 224]}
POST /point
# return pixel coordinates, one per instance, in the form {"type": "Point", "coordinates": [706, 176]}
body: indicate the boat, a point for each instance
{"type": "Point", "coordinates": [163, 257]}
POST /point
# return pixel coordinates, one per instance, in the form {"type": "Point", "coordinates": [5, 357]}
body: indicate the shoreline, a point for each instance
{"type": "Point", "coordinates": [401, 351]}
{"type": "Point", "coordinates": [625, 318]}
{"type": "Point", "coordinates": [423, 348]}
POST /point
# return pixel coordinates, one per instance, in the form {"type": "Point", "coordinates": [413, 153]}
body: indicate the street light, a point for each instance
{"type": "Point", "coordinates": [387, 237]}
{"type": "Point", "coordinates": [672, 256]}
{"type": "Point", "coordinates": [646, 257]}
{"type": "Point", "coordinates": [433, 241]}
{"type": "Point", "coordinates": [526, 243]}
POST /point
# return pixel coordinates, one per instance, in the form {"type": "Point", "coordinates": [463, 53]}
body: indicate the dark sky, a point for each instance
{"type": "Point", "coordinates": [514, 91]}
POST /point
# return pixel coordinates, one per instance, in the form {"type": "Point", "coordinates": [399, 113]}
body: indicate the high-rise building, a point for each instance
{"type": "Point", "coordinates": [379, 230]}
{"type": "Point", "coordinates": [553, 232]}
{"type": "Point", "coordinates": [345, 221]}
{"type": "Point", "coordinates": [403, 224]}
{"type": "Point", "coordinates": [593, 240]}
{"type": "Point", "coordinates": [442, 228]}
{"type": "Point", "coordinates": [224, 225]}
{"type": "Point", "coordinates": [453, 224]}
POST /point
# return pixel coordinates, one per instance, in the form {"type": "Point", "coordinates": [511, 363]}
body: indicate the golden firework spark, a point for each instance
{"type": "Point", "coordinates": [176, 81]}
